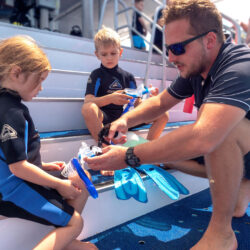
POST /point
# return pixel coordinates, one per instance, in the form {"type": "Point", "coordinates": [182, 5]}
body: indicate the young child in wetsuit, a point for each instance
{"type": "Point", "coordinates": [140, 26]}
{"type": "Point", "coordinates": [27, 191]}
{"type": "Point", "coordinates": [104, 97]}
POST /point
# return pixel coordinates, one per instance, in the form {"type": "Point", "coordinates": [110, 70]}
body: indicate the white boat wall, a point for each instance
{"type": "Point", "coordinates": [72, 61]}
{"type": "Point", "coordinates": [58, 108]}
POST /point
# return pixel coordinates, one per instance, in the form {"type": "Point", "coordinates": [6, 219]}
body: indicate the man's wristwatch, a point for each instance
{"type": "Point", "coordinates": [131, 159]}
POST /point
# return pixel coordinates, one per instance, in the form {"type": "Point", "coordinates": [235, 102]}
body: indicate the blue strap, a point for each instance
{"type": "Point", "coordinates": [132, 85]}
{"type": "Point", "coordinates": [26, 137]}
{"type": "Point", "coordinates": [129, 105]}
{"type": "Point", "coordinates": [89, 185]}
{"type": "Point", "coordinates": [2, 157]}
{"type": "Point", "coordinates": [97, 85]}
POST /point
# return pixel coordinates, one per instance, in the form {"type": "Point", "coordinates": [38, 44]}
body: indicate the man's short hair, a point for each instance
{"type": "Point", "coordinates": [202, 15]}
{"type": "Point", "coordinates": [107, 36]}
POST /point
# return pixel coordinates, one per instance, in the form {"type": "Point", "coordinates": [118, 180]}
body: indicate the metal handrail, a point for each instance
{"type": "Point", "coordinates": [236, 27]}
{"type": "Point", "coordinates": [154, 24]}
{"type": "Point", "coordinates": [84, 73]}
{"type": "Point", "coordinates": [67, 12]}
{"type": "Point", "coordinates": [152, 46]}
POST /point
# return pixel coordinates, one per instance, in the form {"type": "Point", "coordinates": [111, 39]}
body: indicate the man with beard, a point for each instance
{"type": "Point", "coordinates": [217, 72]}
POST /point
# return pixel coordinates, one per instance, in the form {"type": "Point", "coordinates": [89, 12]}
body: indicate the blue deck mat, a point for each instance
{"type": "Point", "coordinates": [177, 226]}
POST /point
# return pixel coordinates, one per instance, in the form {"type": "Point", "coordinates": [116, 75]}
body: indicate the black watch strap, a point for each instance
{"type": "Point", "coordinates": [131, 159]}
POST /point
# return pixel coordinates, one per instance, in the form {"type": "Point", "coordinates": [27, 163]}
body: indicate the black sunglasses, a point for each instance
{"type": "Point", "coordinates": [179, 48]}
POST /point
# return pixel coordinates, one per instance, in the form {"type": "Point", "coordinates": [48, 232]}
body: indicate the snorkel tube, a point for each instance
{"type": "Point", "coordinates": [89, 185]}
{"type": "Point", "coordinates": [74, 168]}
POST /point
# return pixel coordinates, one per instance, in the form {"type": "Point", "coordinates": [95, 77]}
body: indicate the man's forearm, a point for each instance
{"type": "Point", "coordinates": [181, 144]}
{"type": "Point", "coordinates": [199, 138]}
{"type": "Point", "coordinates": [145, 112]}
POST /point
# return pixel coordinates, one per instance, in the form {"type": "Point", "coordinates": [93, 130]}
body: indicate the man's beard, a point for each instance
{"type": "Point", "coordinates": [197, 71]}
{"type": "Point", "coordinates": [199, 67]}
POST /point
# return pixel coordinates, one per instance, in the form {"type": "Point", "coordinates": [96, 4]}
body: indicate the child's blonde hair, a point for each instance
{"type": "Point", "coordinates": [22, 51]}
{"type": "Point", "coordinates": [107, 36]}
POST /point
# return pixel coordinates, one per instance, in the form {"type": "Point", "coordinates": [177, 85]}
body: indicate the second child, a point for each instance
{"type": "Point", "coordinates": [139, 24]}
{"type": "Point", "coordinates": [104, 97]}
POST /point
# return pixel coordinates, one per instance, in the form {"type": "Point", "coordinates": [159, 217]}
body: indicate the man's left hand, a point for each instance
{"type": "Point", "coordinates": [113, 158]}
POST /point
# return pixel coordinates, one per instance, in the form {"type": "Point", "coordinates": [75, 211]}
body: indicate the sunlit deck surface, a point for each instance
{"type": "Point", "coordinates": [177, 226]}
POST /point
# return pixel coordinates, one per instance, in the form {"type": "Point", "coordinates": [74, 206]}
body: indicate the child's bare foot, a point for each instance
{"type": "Point", "coordinates": [107, 172]}
{"type": "Point", "coordinates": [88, 246]}
{"type": "Point", "coordinates": [243, 199]}
{"type": "Point", "coordinates": [214, 240]}
{"type": "Point", "coordinates": [77, 244]}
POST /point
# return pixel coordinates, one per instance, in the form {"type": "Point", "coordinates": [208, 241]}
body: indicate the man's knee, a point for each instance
{"type": "Point", "coordinates": [241, 136]}
{"type": "Point", "coordinates": [238, 140]}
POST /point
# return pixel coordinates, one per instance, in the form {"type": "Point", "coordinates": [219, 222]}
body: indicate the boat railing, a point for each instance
{"type": "Point", "coordinates": [126, 9]}
{"type": "Point", "coordinates": [236, 26]}
{"type": "Point", "coordinates": [153, 22]}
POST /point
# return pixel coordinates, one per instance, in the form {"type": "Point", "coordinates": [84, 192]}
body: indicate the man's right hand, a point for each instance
{"type": "Point", "coordinates": [121, 127]}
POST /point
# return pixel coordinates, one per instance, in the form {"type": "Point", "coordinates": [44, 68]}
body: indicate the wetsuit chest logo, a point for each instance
{"type": "Point", "coordinates": [7, 133]}
{"type": "Point", "coordinates": [115, 85]}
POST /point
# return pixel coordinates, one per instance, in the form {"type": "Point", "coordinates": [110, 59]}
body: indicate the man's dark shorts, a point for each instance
{"type": "Point", "coordinates": [201, 161]}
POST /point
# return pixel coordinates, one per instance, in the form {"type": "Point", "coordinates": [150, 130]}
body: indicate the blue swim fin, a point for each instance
{"type": "Point", "coordinates": [174, 182]}
{"type": "Point", "coordinates": [128, 183]}
{"type": "Point", "coordinates": [165, 181]}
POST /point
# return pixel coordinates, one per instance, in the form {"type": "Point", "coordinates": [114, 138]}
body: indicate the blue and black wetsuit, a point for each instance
{"type": "Point", "coordinates": [136, 24]}
{"type": "Point", "coordinates": [228, 82]}
{"type": "Point", "coordinates": [20, 141]}
{"type": "Point", "coordinates": [104, 81]}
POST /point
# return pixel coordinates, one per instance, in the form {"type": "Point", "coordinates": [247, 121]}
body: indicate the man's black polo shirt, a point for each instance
{"type": "Point", "coordinates": [228, 80]}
